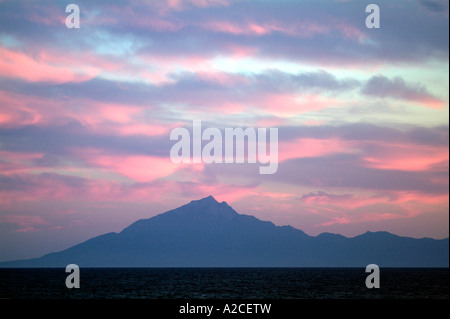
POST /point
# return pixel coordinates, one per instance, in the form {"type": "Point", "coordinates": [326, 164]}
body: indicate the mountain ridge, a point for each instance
{"type": "Point", "coordinates": [206, 233]}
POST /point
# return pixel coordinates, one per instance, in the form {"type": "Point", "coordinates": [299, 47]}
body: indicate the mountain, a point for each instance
{"type": "Point", "coordinates": [206, 233]}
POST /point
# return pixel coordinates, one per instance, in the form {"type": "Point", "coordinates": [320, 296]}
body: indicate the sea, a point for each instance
{"type": "Point", "coordinates": [224, 283]}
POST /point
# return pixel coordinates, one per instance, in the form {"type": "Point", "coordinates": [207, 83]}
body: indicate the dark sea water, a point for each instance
{"type": "Point", "coordinates": [225, 283]}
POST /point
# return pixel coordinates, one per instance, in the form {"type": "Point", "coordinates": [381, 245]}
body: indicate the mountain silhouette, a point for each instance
{"type": "Point", "coordinates": [206, 233]}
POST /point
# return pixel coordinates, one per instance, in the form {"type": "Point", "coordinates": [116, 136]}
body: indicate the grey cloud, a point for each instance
{"type": "Point", "coordinates": [437, 136]}
{"type": "Point", "coordinates": [192, 88]}
{"type": "Point", "coordinates": [343, 171]}
{"type": "Point", "coordinates": [48, 160]}
{"type": "Point", "coordinates": [270, 81]}
{"type": "Point", "coordinates": [96, 89]}
{"type": "Point", "coordinates": [325, 194]}
{"type": "Point", "coordinates": [435, 5]}
{"type": "Point", "coordinates": [59, 141]}
{"type": "Point", "coordinates": [382, 86]}
{"type": "Point", "coordinates": [320, 81]}
{"type": "Point", "coordinates": [187, 88]}
{"type": "Point", "coordinates": [429, 136]}
{"type": "Point", "coordinates": [29, 182]}
{"type": "Point", "coordinates": [406, 34]}
{"type": "Point", "coordinates": [338, 171]}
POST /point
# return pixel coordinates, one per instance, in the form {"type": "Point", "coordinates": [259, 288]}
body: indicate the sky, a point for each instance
{"type": "Point", "coordinates": [86, 114]}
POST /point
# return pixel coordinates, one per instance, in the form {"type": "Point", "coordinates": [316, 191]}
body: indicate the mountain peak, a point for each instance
{"type": "Point", "coordinates": [210, 200]}
{"type": "Point", "coordinates": [207, 206]}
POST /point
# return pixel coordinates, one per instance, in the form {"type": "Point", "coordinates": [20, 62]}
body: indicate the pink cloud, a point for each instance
{"type": "Point", "coordinates": [92, 63]}
{"type": "Point", "coordinates": [17, 64]}
{"type": "Point", "coordinates": [118, 119]}
{"type": "Point", "coordinates": [116, 14]}
{"type": "Point", "coordinates": [405, 157]}
{"type": "Point", "coordinates": [304, 29]}
{"type": "Point", "coordinates": [25, 222]}
{"type": "Point", "coordinates": [164, 66]}
{"type": "Point", "coordinates": [301, 29]}
{"type": "Point", "coordinates": [48, 15]}
{"type": "Point", "coordinates": [239, 51]}
{"type": "Point", "coordinates": [290, 104]}
{"type": "Point", "coordinates": [17, 162]}
{"type": "Point", "coordinates": [309, 147]}
{"type": "Point", "coordinates": [271, 122]}
{"type": "Point", "coordinates": [120, 114]}
{"type": "Point", "coordinates": [430, 102]}
{"type": "Point", "coordinates": [315, 122]}
{"type": "Point", "coordinates": [221, 192]}
{"type": "Point", "coordinates": [182, 4]}
{"type": "Point", "coordinates": [69, 190]}
{"type": "Point", "coordinates": [16, 110]}
{"type": "Point", "coordinates": [224, 26]}
{"type": "Point", "coordinates": [140, 168]}
{"type": "Point", "coordinates": [18, 157]}
{"type": "Point", "coordinates": [351, 201]}
{"type": "Point", "coordinates": [350, 31]}
{"type": "Point", "coordinates": [222, 78]}
{"type": "Point", "coordinates": [397, 212]}
{"type": "Point", "coordinates": [360, 208]}
{"type": "Point", "coordinates": [420, 198]}
{"type": "Point", "coordinates": [65, 212]}
{"type": "Point", "coordinates": [143, 129]}
{"type": "Point", "coordinates": [342, 204]}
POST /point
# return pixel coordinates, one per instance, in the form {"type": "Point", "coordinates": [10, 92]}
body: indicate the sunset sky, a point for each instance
{"type": "Point", "coordinates": [86, 114]}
